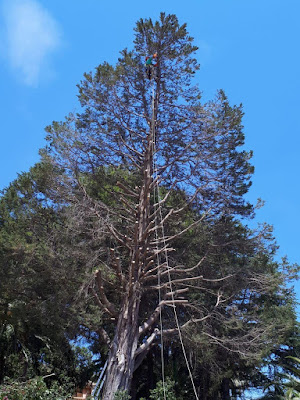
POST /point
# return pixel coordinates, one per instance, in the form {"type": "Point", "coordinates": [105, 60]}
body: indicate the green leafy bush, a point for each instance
{"type": "Point", "coordinates": [159, 392]}
{"type": "Point", "coordinates": [34, 389]}
{"type": "Point", "coordinates": [122, 395]}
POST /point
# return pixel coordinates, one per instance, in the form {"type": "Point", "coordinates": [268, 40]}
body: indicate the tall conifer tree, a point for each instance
{"type": "Point", "coordinates": [173, 172]}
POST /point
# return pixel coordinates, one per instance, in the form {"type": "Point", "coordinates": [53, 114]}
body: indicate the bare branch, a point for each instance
{"type": "Point", "coordinates": [188, 203]}
{"type": "Point", "coordinates": [176, 292]}
{"type": "Point", "coordinates": [192, 268]}
{"type": "Point", "coordinates": [104, 335]}
{"type": "Point", "coordinates": [170, 238]}
{"type": "Point", "coordinates": [163, 221]}
{"type": "Point", "coordinates": [100, 304]}
{"type": "Point", "coordinates": [154, 316]}
{"type": "Point", "coordinates": [116, 264]}
{"type": "Point", "coordinates": [104, 300]}
{"type": "Point", "coordinates": [122, 239]}
{"type": "Point", "coordinates": [147, 343]}
{"type": "Point", "coordinates": [127, 190]}
{"type": "Point", "coordinates": [179, 281]}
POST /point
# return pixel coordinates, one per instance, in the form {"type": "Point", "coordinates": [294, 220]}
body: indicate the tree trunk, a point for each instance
{"type": "Point", "coordinates": [122, 354]}
{"type": "Point", "coordinates": [121, 361]}
{"type": "Point", "coordinates": [2, 365]}
{"type": "Point", "coordinates": [134, 387]}
{"type": "Point", "coordinates": [225, 388]}
{"type": "Point", "coordinates": [2, 352]}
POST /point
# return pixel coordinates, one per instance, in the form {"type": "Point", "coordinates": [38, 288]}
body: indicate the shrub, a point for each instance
{"type": "Point", "coordinates": [122, 395]}
{"type": "Point", "coordinates": [158, 392]}
{"type": "Point", "coordinates": [34, 389]}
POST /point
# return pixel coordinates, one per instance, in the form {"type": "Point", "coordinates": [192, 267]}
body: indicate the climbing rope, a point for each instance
{"type": "Point", "coordinates": [157, 190]}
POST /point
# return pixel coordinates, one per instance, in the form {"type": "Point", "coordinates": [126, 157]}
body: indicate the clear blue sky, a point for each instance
{"type": "Point", "coordinates": [249, 48]}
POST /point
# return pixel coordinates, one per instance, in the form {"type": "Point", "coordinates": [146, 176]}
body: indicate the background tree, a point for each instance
{"type": "Point", "coordinates": [38, 283]}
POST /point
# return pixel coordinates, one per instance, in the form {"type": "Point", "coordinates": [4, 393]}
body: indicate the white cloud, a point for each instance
{"type": "Point", "coordinates": [31, 35]}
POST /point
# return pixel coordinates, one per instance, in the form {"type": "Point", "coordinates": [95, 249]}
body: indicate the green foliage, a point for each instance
{"type": "Point", "coordinates": [34, 389]}
{"type": "Point", "coordinates": [38, 316]}
{"type": "Point", "coordinates": [286, 385]}
{"type": "Point", "coordinates": [164, 390]}
{"type": "Point", "coordinates": [122, 395]}
{"type": "Point", "coordinates": [85, 367]}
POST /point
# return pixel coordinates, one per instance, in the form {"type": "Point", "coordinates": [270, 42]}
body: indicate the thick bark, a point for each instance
{"type": "Point", "coordinates": [122, 354]}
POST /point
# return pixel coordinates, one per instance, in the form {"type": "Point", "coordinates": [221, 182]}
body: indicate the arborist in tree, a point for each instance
{"type": "Point", "coordinates": [151, 63]}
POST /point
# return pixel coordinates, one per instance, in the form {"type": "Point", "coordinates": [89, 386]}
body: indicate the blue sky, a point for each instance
{"type": "Point", "coordinates": [249, 48]}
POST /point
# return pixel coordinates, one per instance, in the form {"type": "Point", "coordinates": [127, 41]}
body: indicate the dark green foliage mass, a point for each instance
{"type": "Point", "coordinates": [38, 283]}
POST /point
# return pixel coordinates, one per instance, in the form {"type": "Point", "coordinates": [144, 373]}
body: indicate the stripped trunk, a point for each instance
{"type": "Point", "coordinates": [121, 361]}
{"type": "Point", "coordinates": [122, 354]}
